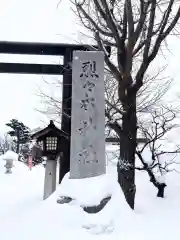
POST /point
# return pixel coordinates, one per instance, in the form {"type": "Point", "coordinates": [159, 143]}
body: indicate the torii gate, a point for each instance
{"type": "Point", "coordinates": [51, 49]}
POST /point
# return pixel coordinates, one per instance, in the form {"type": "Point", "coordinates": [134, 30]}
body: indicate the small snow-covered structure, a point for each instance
{"type": "Point", "coordinates": [52, 140]}
{"type": "Point", "coordinates": [9, 157]}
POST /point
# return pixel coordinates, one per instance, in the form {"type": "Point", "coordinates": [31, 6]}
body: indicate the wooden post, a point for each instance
{"type": "Point", "coordinates": [50, 178]}
{"type": "Point", "coordinates": [64, 165]}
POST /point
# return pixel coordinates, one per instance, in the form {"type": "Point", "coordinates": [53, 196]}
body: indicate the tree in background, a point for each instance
{"type": "Point", "coordinates": [6, 143]}
{"type": "Point", "coordinates": [163, 153]}
{"type": "Point", "coordinates": [19, 132]}
{"type": "Point", "coordinates": [136, 30]}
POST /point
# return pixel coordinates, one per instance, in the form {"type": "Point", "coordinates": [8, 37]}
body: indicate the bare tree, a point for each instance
{"type": "Point", "coordinates": [153, 90]}
{"type": "Point", "coordinates": [52, 104]}
{"type": "Point", "coordinates": [147, 97]}
{"type": "Point", "coordinates": [157, 155]}
{"type": "Point", "coordinates": [6, 143]}
{"type": "Point", "coordinates": [136, 35]}
{"type": "Point", "coordinates": [162, 157]}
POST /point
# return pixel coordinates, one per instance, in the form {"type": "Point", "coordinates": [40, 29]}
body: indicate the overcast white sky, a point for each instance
{"type": "Point", "coordinates": [40, 20]}
{"type": "Point", "coordinates": [29, 20]}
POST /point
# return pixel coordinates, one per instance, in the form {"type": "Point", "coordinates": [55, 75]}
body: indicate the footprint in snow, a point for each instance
{"type": "Point", "coordinates": [99, 228]}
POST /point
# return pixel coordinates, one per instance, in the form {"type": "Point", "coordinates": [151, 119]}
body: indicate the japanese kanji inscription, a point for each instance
{"type": "Point", "coordinates": [88, 118]}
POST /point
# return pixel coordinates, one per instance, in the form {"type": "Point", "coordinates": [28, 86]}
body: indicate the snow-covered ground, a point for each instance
{"type": "Point", "coordinates": [25, 216]}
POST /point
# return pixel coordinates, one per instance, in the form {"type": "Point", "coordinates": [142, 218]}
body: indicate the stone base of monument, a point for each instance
{"type": "Point", "coordinates": [97, 208]}
{"type": "Point", "coordinates": [63, 200]}
{"type": "Point", "coordinates": [91, 194]}
{"type": "Point", "coordinates": [88, 209]}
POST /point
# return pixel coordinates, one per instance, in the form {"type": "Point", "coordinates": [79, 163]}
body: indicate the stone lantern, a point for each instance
{"type": "Point", "coordinates": [8, 165]}
{"type": "Point", "coordinates": [51, 139]}
{"type": "Point", "coordinates": [9, 157]}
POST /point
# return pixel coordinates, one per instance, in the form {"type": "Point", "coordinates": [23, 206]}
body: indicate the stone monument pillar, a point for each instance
{"type": "Point", "coordinates": [87, 158]}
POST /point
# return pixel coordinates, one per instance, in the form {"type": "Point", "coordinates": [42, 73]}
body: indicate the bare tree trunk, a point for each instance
{"type": "Point", "coordinates": [158, 185]}
{"type": "Point", "coordinates": [126, 164]}
{"type": "Point", "coordinates": [161, 188]}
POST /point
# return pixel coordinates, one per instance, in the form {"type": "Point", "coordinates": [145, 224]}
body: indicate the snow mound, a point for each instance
{"type": "Point", "coordinates": [24, 215]}
{"type": "Point", "coordinates": [19, 190]}
{"type": "Point", "coordinates": [87, 191]}
{"type": "Point", "coordinates": [90, 192]}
